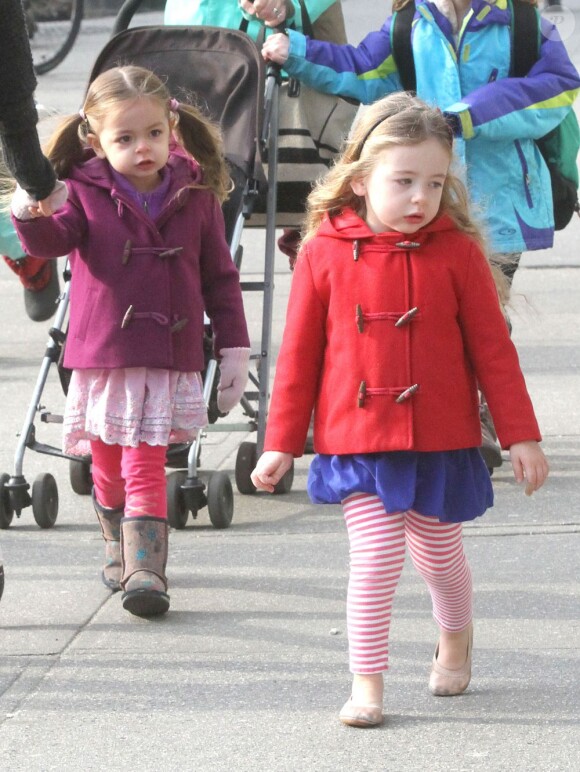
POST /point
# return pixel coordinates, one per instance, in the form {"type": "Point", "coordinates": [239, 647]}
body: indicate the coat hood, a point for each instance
{"type": "Point", "coordinates": [349, 226]}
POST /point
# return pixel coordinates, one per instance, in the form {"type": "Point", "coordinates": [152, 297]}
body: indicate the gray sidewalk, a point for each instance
{"type": "Point", "coordinates": [249, 668]}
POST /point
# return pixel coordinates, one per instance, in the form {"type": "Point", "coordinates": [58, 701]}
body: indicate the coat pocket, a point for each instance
{"type": "Point", "coordinates": [86, 317]}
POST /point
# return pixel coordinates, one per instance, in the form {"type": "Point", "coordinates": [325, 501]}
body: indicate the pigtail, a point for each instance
{"type": "Point", "coordinates": [65, 148]}
{"type": "Point", "coordinates": [203, 140]}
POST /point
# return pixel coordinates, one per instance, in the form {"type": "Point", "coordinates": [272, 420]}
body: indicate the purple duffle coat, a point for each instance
{"type": "Point", "coordinates": [140, 286]}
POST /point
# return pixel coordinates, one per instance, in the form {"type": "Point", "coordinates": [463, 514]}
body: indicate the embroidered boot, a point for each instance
{"type": "Point", "coordinates": [144, 558]}
{"type": "Point", "coordinates": [110, 522]}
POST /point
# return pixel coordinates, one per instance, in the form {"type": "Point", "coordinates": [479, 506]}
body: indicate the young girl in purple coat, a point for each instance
{"type": "Point", "coordinates": [148, 254]}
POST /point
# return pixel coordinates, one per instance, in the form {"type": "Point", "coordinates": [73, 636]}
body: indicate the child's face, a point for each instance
{"type": "Point", "coordinates": [134, 138]}
{"type": "Point", "coordinates": [403, 191]}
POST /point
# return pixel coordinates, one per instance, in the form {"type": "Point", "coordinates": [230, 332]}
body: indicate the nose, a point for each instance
{"type": "Point", "coordinates": [419, 193]}
{"type": "Point", "coordinates": [142, 144]}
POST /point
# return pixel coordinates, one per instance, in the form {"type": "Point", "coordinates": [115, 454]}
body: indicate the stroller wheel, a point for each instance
{"type": "Point", "coordinates": [6, 510]}
{"type": "Point", "coordinates": [177, 512]}
{"type": "Point", "coordinates": [284, 485]}
{"type": "Point", "coordinates": [45, 500]}
{"type": "Point", "coordinates": [81, 480]}
{"type": "Point", "coordinates": [220, 500]}
{"type": "Point", "coordinates": [245, 463]}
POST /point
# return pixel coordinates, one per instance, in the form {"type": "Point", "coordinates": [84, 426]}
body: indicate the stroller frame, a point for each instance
{"type": "Point", "coordinates": [186, 492]}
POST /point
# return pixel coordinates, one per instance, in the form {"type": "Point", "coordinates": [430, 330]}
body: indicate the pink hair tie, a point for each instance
{"type": "Point", "coordinates": [173, 105]}
{"type": "Point", "coordinates": [83, 114]}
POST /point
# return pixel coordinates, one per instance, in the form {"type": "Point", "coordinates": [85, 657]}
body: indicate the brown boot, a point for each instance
{"type": "Point", "coordinates": [110, 522]}
{"type": "Point", "coordinates": [144, 558]}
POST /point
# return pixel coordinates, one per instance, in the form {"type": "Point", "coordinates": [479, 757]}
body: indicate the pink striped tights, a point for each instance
{"type": "Point", "coordinates": [377, 553]}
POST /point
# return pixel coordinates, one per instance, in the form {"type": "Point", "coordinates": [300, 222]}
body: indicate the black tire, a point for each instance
{"type": "Point", "coordinates": [220, 500]}
{"type": "Point", "coordinates": [6, 510]}
{"type": "Point", "coordinates": [45, 500]}
{"type": "Point", "coordinates": [81, 480]}
{"type": "Point", "coordinates": [52, 35]}
{"type": "Point", "coordinates": [245, 463]}
{"type": "Point", "coordinates": [177, 512]}
{"type": "Point", "coordinates": [284, 484]}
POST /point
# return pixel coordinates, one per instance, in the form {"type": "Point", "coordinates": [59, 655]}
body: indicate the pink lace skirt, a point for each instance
{"type": "Point", "coordinates": [132, 405]}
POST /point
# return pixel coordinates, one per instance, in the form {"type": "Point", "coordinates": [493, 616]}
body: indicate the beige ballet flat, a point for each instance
{"type": "Point", "coordinates": [448, 683]}
{"type": "Point", "coordinates": [361, 715]}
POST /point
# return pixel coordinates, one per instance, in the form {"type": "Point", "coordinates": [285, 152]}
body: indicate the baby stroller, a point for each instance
{"type": "Point", "coordinates": [225, 70]}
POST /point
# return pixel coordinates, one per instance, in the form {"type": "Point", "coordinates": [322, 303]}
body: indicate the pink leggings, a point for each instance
{"type": "Point", "coordinates": [134, 477]}
{"type": "Point", "coordinates": [377, 553]}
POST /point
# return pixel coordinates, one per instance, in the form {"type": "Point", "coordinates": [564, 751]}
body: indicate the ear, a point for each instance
{"type": "Point", "coordinates": [358, 186]}
{"type": "Point", "coordinates": [94, 144]}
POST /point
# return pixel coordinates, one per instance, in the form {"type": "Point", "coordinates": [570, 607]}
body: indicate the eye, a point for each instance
{"type": "Point", "coordinates": [124, 139]}
{"type": "Point", "coordinates": [436, 184]}
{"type": "Point", "coordinates": [156, 133]}
{"type": "Point", "coordinates": [404, 181]}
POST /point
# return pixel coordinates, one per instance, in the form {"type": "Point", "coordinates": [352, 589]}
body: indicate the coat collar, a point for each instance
{"type": "Point", "coordinates": [349, 226]}
{"type": "Point", "coordinates": [96, 171]}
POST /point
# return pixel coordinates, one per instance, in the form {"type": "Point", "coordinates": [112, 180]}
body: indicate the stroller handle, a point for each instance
{"type": "Point", "coordinates": [126, 13]}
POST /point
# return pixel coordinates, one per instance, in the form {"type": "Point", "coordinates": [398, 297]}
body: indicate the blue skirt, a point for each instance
{"type": "Point", "coordinates": [452, 485]}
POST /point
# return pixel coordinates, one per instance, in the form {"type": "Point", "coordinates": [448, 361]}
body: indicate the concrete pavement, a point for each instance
{"type": "Point", "coordinates": [249, 668]}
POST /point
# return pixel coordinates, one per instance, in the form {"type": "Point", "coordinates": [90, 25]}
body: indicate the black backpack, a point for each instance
{"type": "Point", "coordinates": [559, 147]}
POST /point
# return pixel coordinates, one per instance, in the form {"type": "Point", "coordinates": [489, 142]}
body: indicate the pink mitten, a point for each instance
{"type": "Point", "coordinates": [20, 204]}
{"type": "Point", "coordinates": [233, 377]}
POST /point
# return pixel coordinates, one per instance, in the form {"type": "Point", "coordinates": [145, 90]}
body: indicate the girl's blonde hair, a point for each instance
{"type": "Point", "coordinates": [399, 119]}
{"type": "Point", "coordinates": [198, 135]}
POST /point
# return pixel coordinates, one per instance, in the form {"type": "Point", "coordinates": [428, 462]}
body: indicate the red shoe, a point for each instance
{"type": "Point", "coordinates": [41, 288]}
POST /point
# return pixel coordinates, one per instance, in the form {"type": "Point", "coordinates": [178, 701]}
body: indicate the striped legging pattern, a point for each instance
{"type": "Point", "coordinates": [378, 543]}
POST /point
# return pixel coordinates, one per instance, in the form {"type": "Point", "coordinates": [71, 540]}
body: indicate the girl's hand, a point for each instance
{"type": "Point", "coordinates": [276, 48]}
{"type": "Point", "coordinates": [271, 467]}
{"type": "Point", "coordinates": [24, 207]}
{"type": "Point", "coordinates": [271, 12]}
{"type": "Point", "coordinates": [55, 201]}
{"type": "Point", "coordinates": [529, 463]}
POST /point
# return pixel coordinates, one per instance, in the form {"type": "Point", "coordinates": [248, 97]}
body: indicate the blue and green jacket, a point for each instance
{"type": "Point", "coordinates": [469, 76]}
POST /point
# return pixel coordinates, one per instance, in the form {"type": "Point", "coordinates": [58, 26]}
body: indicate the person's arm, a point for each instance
{"type": "Point", "coordinates": [220, 280]}
{"type": "Point", "coordinates": [365, 72]}
{"type": "Point", "coordinates": [18, 116]}
{"type": "Point", "coordinates": [522, 108]}
{"type": "Point", "coordinates": [50, 237]}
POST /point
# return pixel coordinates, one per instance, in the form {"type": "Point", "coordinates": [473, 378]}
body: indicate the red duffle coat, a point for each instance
{"type": "Point", "coordinates": [140, 287]}
{"type": "Point", "coordinates": [387, 337]}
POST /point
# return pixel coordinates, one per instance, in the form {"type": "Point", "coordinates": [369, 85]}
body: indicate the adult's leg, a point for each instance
{"type": "Point", "coordinates": [490, 449]}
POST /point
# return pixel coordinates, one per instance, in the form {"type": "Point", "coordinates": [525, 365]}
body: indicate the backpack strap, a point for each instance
{"type": "Point", "coordinates": [525, 34]}
{"type": "Point", "coordinates": [401, 45]}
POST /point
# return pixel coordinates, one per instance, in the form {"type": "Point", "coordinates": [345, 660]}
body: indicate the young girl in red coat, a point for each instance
{"type": "Point", "coordinates": [145, 233]}
{"type": "Point", "coordinates": [393, 319]}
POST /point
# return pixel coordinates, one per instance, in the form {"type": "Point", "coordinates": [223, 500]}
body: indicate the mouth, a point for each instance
{"type": "Point", "coordinates": [414, 218]}
{"type": "Point", "coordinates": [145, 164]}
